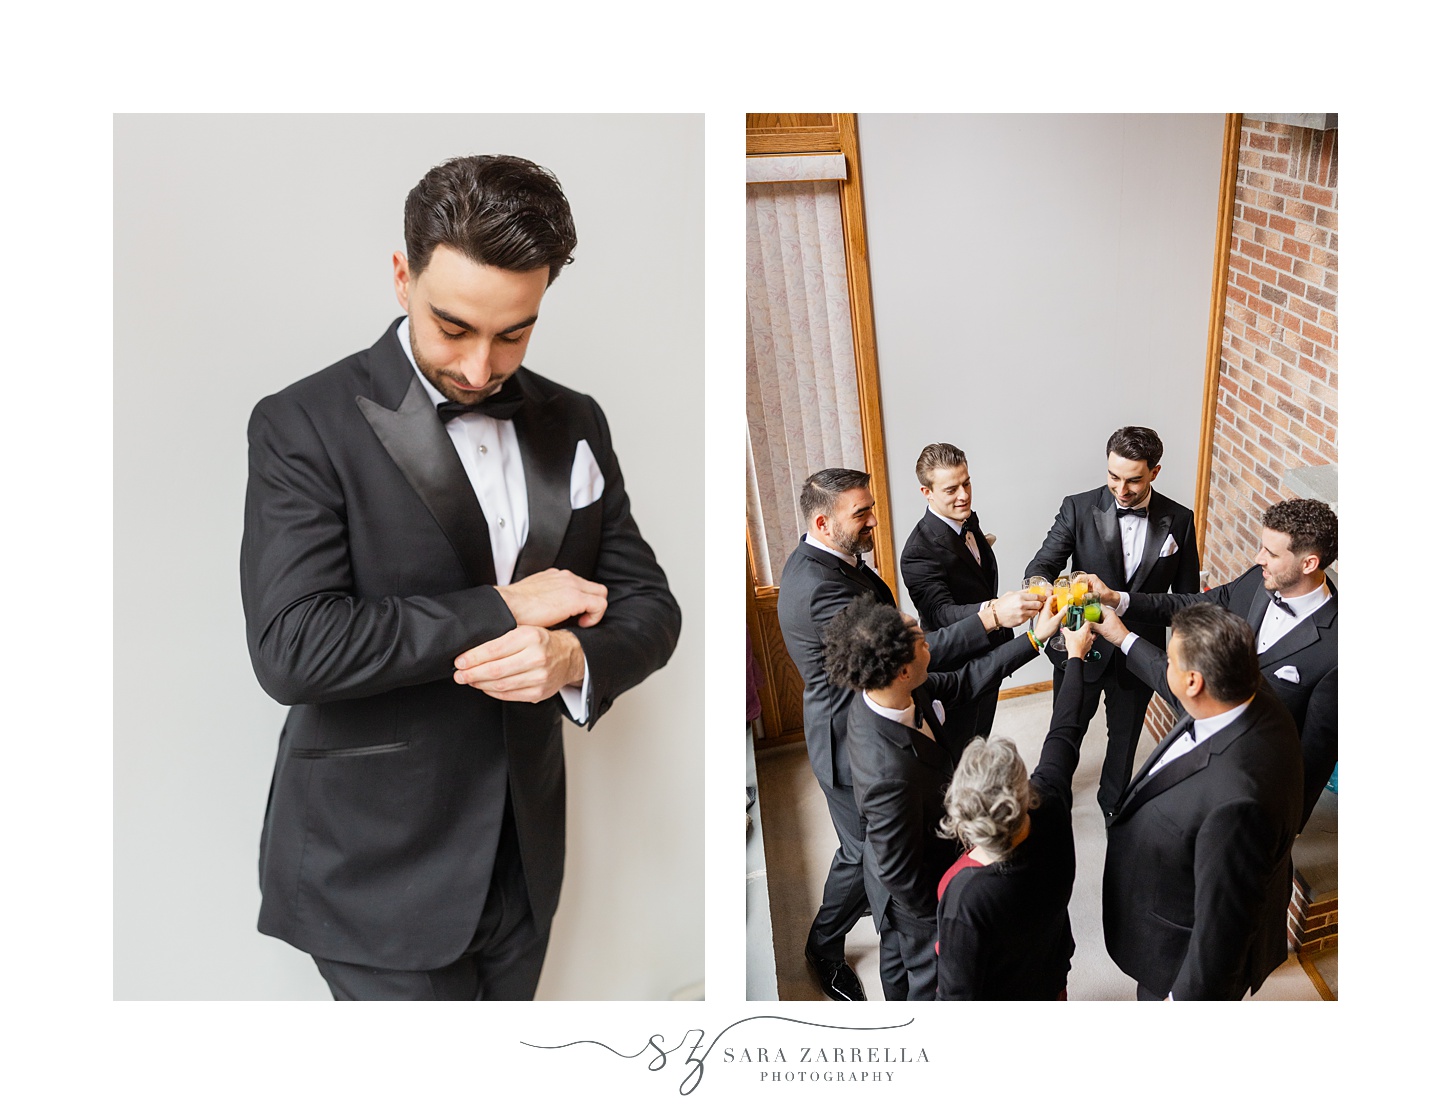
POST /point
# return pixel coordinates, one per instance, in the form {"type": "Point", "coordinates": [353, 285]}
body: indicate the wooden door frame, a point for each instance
{"type": "Point", "coordinates": [823, 133]}
{"type": "Point", "coordinates": [1214, 346]}
{"type": "Point", "coordinates": [836, 133]}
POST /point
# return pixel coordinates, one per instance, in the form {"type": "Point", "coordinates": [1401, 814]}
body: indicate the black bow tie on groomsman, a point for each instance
{"type": "Point", "coordinates": [503, 404]}
{"type": "Point", "coordinates": [919, 721]}
{"type": "Point", "coordinates": [1137, 512]}
{"type": "Point", "coordinates": [1280, 603]}
{"type": "Point", "coordinates": [969, 526]}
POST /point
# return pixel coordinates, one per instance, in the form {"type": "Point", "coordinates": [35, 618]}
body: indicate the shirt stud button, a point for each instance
{"type": "Point", "coordinates": [483, 448]}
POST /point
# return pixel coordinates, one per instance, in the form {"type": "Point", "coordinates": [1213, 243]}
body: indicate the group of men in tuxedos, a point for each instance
{"type": "Point", "coordinates": [438, 562]}
{"type": "Point", "coordinates": [1198, 872]}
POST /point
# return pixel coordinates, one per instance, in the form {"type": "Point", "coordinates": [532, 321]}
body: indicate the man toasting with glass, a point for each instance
{"type": "Point", "coordinates": [1292, 607]}
{"type": "Point", "coordinates": [1133, 539]}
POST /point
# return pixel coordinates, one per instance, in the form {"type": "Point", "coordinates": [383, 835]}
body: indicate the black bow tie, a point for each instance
{"type": "Point", "coordinates": [969, 525]}
{"type": "Point", "coordinates": [1137, 512]}
{"type": "Point", "coordinates": [1278, 602]}
{"type": "Point", "coordinates": [503, 404]}
{"type": "Point", "coordinates": [920, 723]}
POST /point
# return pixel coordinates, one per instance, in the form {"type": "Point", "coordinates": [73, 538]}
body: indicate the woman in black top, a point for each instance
{"type": "Point", "coordinates": [1002, 914]}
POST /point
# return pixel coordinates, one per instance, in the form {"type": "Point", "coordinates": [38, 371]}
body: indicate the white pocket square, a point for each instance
{"type": "Point", "coordinates": [1288, 673]}
{"type": "Point", "coordinates": [1171, 547]}
{"type": "Point", "coordinates": [586, 481]}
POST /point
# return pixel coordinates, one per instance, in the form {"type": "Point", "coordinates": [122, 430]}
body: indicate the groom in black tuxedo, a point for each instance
{"type": "Point", "coordinates": [439, 561]}
{"type": "Point", "coordinates": [1135, 539]}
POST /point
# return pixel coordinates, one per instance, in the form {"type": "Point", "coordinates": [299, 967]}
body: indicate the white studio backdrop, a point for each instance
{"type": "Point", "coordinates": [251, 251]}
{"type": "Point", "coordinates": [1038, 281]}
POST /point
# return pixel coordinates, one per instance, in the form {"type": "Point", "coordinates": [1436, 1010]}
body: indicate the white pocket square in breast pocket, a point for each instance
{"type": "Point", "coordinates": [586, 481]}
{"type": "Point", "coordinates": [1288, 673]}
{"type": "Point", "coordinates": [1171, 547]}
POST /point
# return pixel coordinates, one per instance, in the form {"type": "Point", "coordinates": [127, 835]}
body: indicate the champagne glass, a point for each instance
{"type": "Point", "coordinates": [1092, 612]}
{"type": "Point", "coordinates": [1040, 586]}
{"type": "Point", "coordinates": [1062, 594]}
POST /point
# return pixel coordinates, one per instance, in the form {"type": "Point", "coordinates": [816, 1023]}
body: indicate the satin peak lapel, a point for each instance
{"type": "Point", "coordinates": [989, 561]}
{"type": "Point", "coordinates": [416, 440]}
{"type": "Point", "coordinates": [1106, 521]}
{"type": "Point", "coordinates": [1131, 792]}
{"type": "Point", "coordinates": [1158, 530]}
{"type": "Point", "coordinates": [868, 576]}
{"type": "Point", "coordinates": [925, 748]}
{"type": "Point", "coordinates": [1305, 634]}
{"type": "Point", "coordinates": [1181, 769]}
{"type": "Point", "coordinates": [1259, 604]}
{"type": "Point", "coordinates": [548, 453]}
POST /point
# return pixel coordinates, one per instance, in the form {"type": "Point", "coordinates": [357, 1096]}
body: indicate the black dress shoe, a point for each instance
{"type": "Point", "coordinates": [838, 981]}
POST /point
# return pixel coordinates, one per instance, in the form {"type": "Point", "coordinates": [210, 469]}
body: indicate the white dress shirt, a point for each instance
{"type": "Point", "coordinates": [907, 717]}
{"type": "Point", "coordinates": [966, 535]}
{"type": "Point", "coordinates": [838, 554]}
{"type": "Point", "coordinates": [1201, 729]}
{"type": "Point", "coordinates": [488, 449]}
{"type": "Point", "coordinates": [1132, 531]}
{"type": "Point", "coordinates": [1278, 622]}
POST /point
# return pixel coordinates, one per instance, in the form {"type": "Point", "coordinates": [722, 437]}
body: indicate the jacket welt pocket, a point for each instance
{"type": "Point", "coordinates": [347, 752]}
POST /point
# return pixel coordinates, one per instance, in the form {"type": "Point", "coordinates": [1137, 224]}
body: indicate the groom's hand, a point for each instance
{"type": "Point", "coordinates": [528, 664]}
{"type": "Point", "coordinates": [548, 598]}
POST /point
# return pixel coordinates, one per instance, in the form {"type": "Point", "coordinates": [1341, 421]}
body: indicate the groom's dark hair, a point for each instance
{"type": "Point", "coordinates": [498, 210]}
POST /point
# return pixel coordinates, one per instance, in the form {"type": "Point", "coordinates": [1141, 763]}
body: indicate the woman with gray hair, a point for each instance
{"type": "Point", "coordinates": [1002, 913]}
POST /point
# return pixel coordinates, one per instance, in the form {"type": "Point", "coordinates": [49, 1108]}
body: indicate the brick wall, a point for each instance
{"type": "Point", "coordinates": [1278, 404]}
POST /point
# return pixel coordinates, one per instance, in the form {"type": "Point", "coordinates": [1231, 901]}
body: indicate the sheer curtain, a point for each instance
{"type": "Point", "coordinates": [802, 412]}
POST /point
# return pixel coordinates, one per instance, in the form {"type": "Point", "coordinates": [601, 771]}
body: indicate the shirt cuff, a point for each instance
{"type": "Point", "coordinates": [1128, 643]}
{"type": "Point", "coordinates": [1123, 603]}
{"type": "Point", "coordinates": [576, 698]}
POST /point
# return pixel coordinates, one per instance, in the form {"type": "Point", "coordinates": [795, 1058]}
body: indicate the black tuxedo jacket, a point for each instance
{"type": "Point", "coordinates": [1198, 873]}
{"type": "Point", "coordinates": [815, 585]}
{"type": "Point", "coordinates": [945, 583]}
{"type": "Point", "coordinates": [366, 569]}
{"type": "Point", "coordinates": [1303, 667]}
{"type": "Point", "coordinates": [899, 777]}
{"type": "Point", "coordinates": [1086, 530]}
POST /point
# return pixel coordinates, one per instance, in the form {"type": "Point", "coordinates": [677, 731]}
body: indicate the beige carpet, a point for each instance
{"type": "Point", "coordinates": [799, 843]}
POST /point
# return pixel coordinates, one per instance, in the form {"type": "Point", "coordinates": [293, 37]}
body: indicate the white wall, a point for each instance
{"type": "Point", "coordinates": [249, 252]}
{"type": "Point", "coordinates": [1038, 281]}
